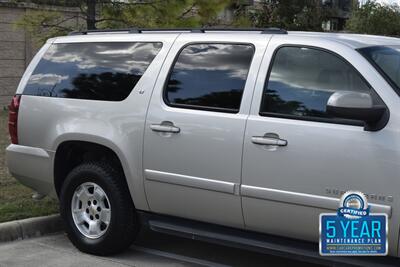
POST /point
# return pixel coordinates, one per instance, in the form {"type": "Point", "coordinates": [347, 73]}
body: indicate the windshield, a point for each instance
{"type": "Point", "coordinates": [387, 60]}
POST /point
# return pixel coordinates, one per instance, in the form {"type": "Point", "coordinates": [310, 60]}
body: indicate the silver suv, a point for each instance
{"type": "Point", "coordinates": [193, 131]}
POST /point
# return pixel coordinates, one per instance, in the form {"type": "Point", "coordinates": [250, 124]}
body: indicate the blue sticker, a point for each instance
{"type": "Point", "coordinates": [353, 230]}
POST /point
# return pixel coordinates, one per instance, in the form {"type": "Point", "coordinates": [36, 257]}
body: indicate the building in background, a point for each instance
{"type": "Point", "coordinates": [341, 11]}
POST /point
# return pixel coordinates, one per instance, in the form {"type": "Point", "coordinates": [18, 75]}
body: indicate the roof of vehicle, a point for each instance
{"type": "Point", "coordinates": [353, 40]}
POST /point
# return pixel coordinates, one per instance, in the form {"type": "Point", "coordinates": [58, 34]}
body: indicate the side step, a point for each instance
{"type": "Point", "coordinates": [261, 243]}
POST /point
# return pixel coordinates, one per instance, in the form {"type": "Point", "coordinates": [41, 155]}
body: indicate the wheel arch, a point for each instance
{"type": "Point", "coordinates": [71, 152]}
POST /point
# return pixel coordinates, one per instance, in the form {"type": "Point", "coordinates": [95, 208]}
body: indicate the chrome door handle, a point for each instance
{"type": "Point", "coordinates": [165, 128]}
{"type": "Point", "coordinates": [269, 139]}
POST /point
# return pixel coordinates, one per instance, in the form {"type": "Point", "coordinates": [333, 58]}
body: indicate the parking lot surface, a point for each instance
{"type": "Point", "coordinates": [151, 249]}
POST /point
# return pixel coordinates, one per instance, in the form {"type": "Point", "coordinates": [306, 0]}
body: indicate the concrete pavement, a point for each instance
{"type": "Point", "coordinates": [56, 250]}
{"type": "Point", "coordinates": [151, 249]}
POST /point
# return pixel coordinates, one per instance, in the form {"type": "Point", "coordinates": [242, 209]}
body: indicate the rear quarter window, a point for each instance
{"type": "Point", "coordinates": [95, 71]}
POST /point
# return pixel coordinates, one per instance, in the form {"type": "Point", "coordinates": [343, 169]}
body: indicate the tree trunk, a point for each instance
{"type": "Point", "coordinates": [91, 14]}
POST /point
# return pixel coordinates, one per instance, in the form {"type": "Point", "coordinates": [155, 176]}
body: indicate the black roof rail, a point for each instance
{"type": "Point", "coordinates": [98, 31]}
{"type": "Point", "coordinates": [192, 30]}
{"type": "Point", "coordinates": [274, 31]}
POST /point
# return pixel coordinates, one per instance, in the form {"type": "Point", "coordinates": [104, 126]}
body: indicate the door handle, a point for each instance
{"type": "Point", "coordinates": [165, 127]}
{"type": "Point", "coordinates": [269, 139]}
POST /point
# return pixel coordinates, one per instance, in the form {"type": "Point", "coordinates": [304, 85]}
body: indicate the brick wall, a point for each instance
{"type": "Point", "coordinates": [16, 46]}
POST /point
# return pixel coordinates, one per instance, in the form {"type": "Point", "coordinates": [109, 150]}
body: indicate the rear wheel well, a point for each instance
{"type": "Point", "coordinates": [72, 153]}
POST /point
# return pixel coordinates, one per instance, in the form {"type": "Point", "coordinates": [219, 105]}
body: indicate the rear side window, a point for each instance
{"type": "Point", "coordinates": [209, 77]}
{"type": "Point", "coordinates": [302, 79]}
{"type": "Point", "coordinates": [96, 71]}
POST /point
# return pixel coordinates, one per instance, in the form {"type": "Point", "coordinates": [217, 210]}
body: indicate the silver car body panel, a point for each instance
{"type": "Point", "coordinates": [30, 165]}
{"type": "Point", "coordinates": [190, 181]}
{"type": "Point", "coordinates": [208, 147]}
{"type": "Point", "coordinates": [301, 199]}
{"type": "Point", "coordinates": [116, 125]}
{"type": "Point", "coordinates": [318, 156]}
{"type": "Point", "coordinates": [212, 170]}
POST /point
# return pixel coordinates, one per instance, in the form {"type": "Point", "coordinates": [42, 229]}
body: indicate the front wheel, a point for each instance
{"type": "Point", "coordinates": [97, 209]}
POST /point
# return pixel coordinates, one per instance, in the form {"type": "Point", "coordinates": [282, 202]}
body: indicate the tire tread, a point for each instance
{"type": "Point", "coordinates": [124, 228]}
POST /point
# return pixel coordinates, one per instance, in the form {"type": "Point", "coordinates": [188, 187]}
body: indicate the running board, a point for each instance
{"type": "Point", "coordinates": [261, 243]}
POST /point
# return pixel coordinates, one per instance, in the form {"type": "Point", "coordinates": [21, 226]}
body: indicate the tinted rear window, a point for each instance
{"type": "Point", "coordinates": [209, 77]}
{"type": "Point", "coordinates": [96, 71]}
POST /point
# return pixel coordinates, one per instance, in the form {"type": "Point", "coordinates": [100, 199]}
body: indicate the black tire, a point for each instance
{"type": "Point", "coordinates": [123, 227]}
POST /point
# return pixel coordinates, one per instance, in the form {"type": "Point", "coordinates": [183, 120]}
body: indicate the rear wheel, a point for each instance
{"type": "Point", "coordinates": [97, 209]}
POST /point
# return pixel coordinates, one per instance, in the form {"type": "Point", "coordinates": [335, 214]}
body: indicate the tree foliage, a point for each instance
{"type": "Point", "coordinates": [47, 22]}
{"type": "Point", "coordinates": [307, 15]}
{"type": "Point", "coordinates": [292, 14]}
{"type": "Point", "coordinates": [93, 14]}
{"type": "Point", "coordinates": [43, 25]}
{"type": "Point", "coordinates": [375, 18]}
{"type": "Point", "coordinates": [165, 13]}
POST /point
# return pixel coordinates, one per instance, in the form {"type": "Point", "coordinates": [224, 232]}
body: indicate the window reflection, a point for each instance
{"type": "Point", "coordinates": [386, 59]}
{"type": "Point", "coordinates": [302, 80]}
{"type": "Point", "coordinates": [210, 76]}
{"type": "Point", "coordinates": [97, 71]}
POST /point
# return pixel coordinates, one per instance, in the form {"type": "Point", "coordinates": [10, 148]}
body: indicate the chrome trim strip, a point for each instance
{"type": "Point", "coordinates": [303, 199]}
{"type": "Point", "coordinates": [190, 181]}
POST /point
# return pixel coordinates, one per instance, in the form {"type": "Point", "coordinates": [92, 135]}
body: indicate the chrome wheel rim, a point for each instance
{"type": "Point", "coordinates": [91, 210]}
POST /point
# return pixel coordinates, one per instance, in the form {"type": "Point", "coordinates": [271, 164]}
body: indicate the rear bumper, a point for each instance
{"type": "Point", "coordinates": [32, 166]}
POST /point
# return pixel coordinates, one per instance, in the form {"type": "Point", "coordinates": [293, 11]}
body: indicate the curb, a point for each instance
{"type": "Point", "coordinates": [28, 228]}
